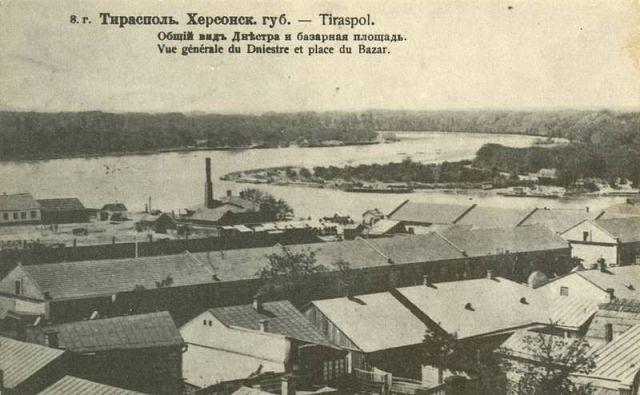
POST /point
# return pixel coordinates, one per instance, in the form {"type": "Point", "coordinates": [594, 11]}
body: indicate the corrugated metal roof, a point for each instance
{"type": "Point", "coordinates": [72, 385]}
{"type": "Point", "coordinates": [382, 226]}
{"type": "Point", "coordinates": [373, 322]}
{"type": "Point", "coordinates": [107, 277]}
{"type": "Point", "coordinates": [283, 319]}
{"type": "Point", "coordinates": [119, 333]}
{"type": "Point", "coordinates": [572, 312]}
{"type": "Point", "coordinates": [620, 359]}
{"type": "Point", "coordinates": [18, 202]}
{"type": "Point", "coordinates": [20, 360]}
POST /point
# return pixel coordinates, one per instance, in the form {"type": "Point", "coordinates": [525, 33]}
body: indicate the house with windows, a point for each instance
{"type": "Point", "coordinates": [19, 209]}
{"type": "Point", "coordinates": [376, 329]}
{"type": "Point", "coordinates": [234, 343]}
{"type": "Point", "coordinates": [141, 352]}
{"type": "Point", "coordinates": [71, 291]}
{"type": "Point", "coordinates": [603, 284]}
{"type": "Point", "coordinates": [616, 240]}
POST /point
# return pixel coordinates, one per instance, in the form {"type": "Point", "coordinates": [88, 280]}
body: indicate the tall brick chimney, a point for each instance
{"type": "Point", "coordinates": [208, 185]}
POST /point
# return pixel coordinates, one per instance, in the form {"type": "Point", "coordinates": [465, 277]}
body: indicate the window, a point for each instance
{"type": "Point", "coordinates": [5, 216]}
{"type": "Point", "coordinates": [15, 215]}
{"type": "Point", "coordinates": [333, 369]}
{"type": "Point", "coordinates": [585, 236]}
{"type": "Point", "coordinates": [23, 215]}
{"type": "Point", "coordinates": [564, 291]}
{"type": "Point", "coordinates": [34, 214]}
{"type": "Point", "coordinates": [18, 287]}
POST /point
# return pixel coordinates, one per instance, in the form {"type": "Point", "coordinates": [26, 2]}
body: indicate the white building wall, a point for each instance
{"type": "Point", "coordinates": [576, 286]}
{"type": "Point", "coordinates": [591, 253]}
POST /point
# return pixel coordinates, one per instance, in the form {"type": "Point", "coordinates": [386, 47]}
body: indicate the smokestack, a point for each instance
{"type": "Point", "coordinates": [208, 185]}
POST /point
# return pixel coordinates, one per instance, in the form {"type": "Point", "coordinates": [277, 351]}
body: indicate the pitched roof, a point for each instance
{"type": "Point", "coordinates": [119, 333]}
{"type": "Point", "coordinates": [250, 391]}
{"type": "Point", "coordinates": [524, 344]}
{"type": "Point", "coordinates": [17, 202]}
{"type": "Point", "coordinates": [61, 204]}
{"type": "Point", "coordinates": [283, 319]}
{"type": "Point", "coordinates": [241, 264]}
{"type": "Point", "coordinates": [429, 213]}
{"type": "Point", "coordinates": [626, 209]}
{"type": "Point", "coordinates": [621, 313]}
{"type": "Point", "coordinates": [619, 359]}
{"type": "Point", "coordinates": [494, 217]}
{"type": "Point", "coordinates": [74, 385]}
{"type": "Point", "coordinates": [495, 305]}
{"type": "Point", "coordinates": [558, 220]}
{"type": "Point", "coordinates": [382, 226]}
{"type": "Point", "coordinates": [416, 248]}
{"type": "Point", "coordinates": [572, 312]}
{"type": "Point", "coordinates": [373, 322]}
{"type": "Point", "coordinates": [624, 280]}
{"type": "Point", "coordinates": [626, 229]}
{"type": "Point", "coordinates": [481, 242]}
{"type": "Point", "coordinates": [21, 360]}
{"type": "Point", "coordinates": [114, 207]}
{"type": "Point", "coordinates": [107, 277]}
{"type": "Point", "coordinates": [204, 366]}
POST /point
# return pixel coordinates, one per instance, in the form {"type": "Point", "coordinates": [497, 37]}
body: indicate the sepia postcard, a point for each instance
{"type": "Point", "coordinates": [320, 197]}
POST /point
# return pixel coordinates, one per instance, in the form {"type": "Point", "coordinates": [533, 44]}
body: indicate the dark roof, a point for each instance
{"type": "Point", "coordinates": [6, 268]}
{"type": "Point", "coordinates": [625, 229]}
{"type": "Point", "coordinates": [114, 207]}
{"type": "Point", "coordinates": [284, 319]}
{"type": "Point", "coordinates": [481, 242]}
{"type": "Point", "coordinates": [17, 202]}
{"type": "Point", "coordinates": [20, 360]}
{"type": "Point", "coordinates": [62, 204]}
{"type": "Point", "coordinates": [119, 333]}
{"type": "Point", "coordinates": [428, 247]}
{"type": "Point", "coordinates": [73, 385]}
{"type": "Point", "coordinates": [429, 213]}
{"type": "Point", "coordinates": [107, 277]}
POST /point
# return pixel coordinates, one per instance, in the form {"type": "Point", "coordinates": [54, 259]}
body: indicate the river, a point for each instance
{"type": "Point", "coordinates": [175, 180]}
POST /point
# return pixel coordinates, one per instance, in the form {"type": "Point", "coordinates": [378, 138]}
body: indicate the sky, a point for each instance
{"type": "Point", "coordinates": [462, 54]}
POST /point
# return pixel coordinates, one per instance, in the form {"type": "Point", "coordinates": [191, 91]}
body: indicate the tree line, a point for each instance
{"type": "Point", "coordinates": [35, 135]}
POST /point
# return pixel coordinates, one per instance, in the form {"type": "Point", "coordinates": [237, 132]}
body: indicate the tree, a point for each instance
{"type": "Point", "coordinates": [288, 272]}
{"type": "Point", "coordinates": [446, 353]}
{"type": "Point", "coordinates": [554, 361]}
{"type": "Point", "coordinates": [280, 209]}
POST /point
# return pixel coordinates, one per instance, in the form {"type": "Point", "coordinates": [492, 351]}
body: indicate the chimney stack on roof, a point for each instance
{"type": "Point", "coordinates": [490, 274]}
{"type": "Point", "coordinates": [51, 338]}
{"type": "Point", "coordinates": [611, 295]}
{"type": "Point", "coordinates": [264, 325]}
{"type": "Point", "coordinates": [257, 303]}
{"type": "Point", "coordinates": [426, 280]}
{"type": "Point", "coordinates": [208, 185]}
